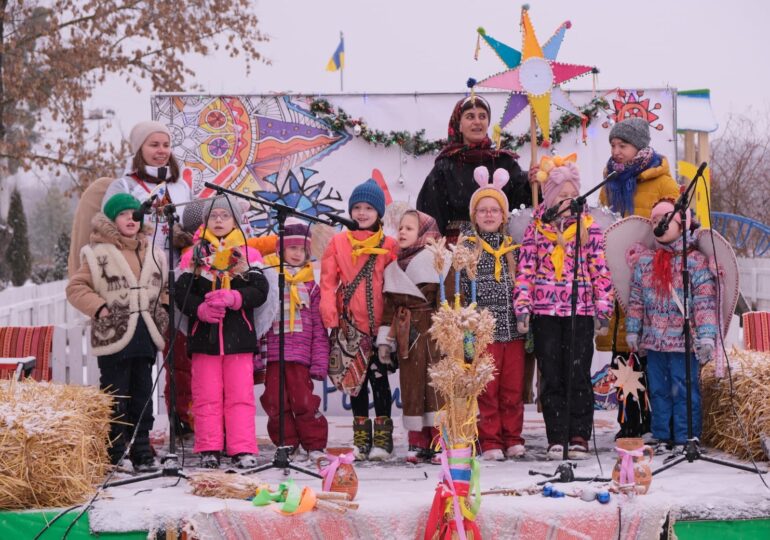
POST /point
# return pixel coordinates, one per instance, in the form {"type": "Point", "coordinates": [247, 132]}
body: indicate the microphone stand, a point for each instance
{"type": "Point", "coordinates": [564, 473]}
{"type": "Point", "coordinates": [692, 448]}
{"type": "Point", "coordinates": [281, 458]}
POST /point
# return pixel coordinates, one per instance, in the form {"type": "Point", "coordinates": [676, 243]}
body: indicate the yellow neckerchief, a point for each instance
{"type": "Point", "coordinates": [557, 256]}
{"type": "Point", "coordinates": [367, 246]}
{"type": "Point", "coordinates": [506, 247]}
{"type": "Point", "coordinates": [222, 261]}
{"type": "Point", "coordinates": [303, 275]}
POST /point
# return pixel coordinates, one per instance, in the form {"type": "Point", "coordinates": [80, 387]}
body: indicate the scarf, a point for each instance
{"type": "Point", "coordinates": [560, 239]}
{"type": "Point", "coordinates": [367, 246]}
{"type": "Point", "coordinates": [506, 247]}
{"type": "Point", "coordinates": [663, 267]}
{"type": "Point", "coordinates": [221, 257]}
{"type": "Point", "coordinates": [426, 229]}
{"type": "Point", "coordinates": [621, 189]}
{"type": "Point", "coordinates": [476, 154]}
{"type": "Point", "coordinates": [296, 296]}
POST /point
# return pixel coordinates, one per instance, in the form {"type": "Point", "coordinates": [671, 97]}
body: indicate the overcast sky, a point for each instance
{"type": "Point", "coordinates": [428, 45]}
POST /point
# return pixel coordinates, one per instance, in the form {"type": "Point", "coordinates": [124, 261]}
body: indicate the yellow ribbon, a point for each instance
{"type": "Point", "coordinates": [557, 256]}
{"type": "Point", "coordinates": [223, 250]}
{"type": "Point", "coordinates": [506, 247]}
{"type": "Point", "coordinates": [367, 246]}
{"type": "Point", "coordinates": [303, 275]}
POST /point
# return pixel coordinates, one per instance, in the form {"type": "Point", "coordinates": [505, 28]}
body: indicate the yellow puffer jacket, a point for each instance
{"type": "Point", "coordinates": [652, 185]}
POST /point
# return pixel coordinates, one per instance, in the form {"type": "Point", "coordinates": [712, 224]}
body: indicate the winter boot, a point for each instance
{"type": "Point", "coordinates": [383, 439]}
{"type": "Point", "coordinates": [362, 437]}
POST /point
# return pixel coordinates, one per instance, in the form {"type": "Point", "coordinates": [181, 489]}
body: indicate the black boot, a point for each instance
{"type": "Point", "coordinates": [383, 439]}
{"type": "Point", "coordinates": [362, 437]}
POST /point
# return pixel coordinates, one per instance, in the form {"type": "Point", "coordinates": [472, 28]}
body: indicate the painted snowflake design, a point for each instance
{"type": "Point", "coordinates": [631, 105]}
{"type": "Point", "coordinates": [305, 195]}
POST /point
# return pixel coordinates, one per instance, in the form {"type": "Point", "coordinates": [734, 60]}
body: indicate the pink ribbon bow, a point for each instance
{"type": "Point", "coordinates": [334, 462]}
{"type": "Point", "coordinates": [627, 464]}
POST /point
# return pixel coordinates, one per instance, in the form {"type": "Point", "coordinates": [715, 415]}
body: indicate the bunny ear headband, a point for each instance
{"type": "Point", "coordinates": [547, 163]}
{"type": "Point", "coordinates": [493, 189]}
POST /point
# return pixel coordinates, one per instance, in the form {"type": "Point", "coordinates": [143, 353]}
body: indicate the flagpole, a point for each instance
{"type": "Point", "coordinates": [342, 63]}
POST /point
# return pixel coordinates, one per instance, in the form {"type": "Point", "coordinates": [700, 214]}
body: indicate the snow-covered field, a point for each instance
{"type": "Point", "coordinates": [396, 496]}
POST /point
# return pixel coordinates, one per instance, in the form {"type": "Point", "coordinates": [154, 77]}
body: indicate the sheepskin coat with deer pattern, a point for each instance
{"type": "Point", "coordinates": [120, 273]}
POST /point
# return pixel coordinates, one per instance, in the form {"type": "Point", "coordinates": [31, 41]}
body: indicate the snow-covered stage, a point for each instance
{"type": "Point", "coordinates": [395, 499]}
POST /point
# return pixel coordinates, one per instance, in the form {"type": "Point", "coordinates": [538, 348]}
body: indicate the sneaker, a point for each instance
{"type": "Point", "coordinates": [314, 455]}
{"type": "Point", "coordinates": [299, 455]}
{"type": "Point", "coordinates": [362, 437]}
{"type": "Point", "coordinates": [677, 450]}
{"type": "Point", "coordinates": [245, 460]}
{"type": "Point", "coordinates": [578, 449]}
{"type": "Point", "coordinates": [146, 464]}
{"type": "Point", "coordinates": [382, 439]}
{"type": "Point", "coordinates": [209, 460]}
{"type": "Point", "coordinates": [125, 466]}
{"type": "Point", "coordinates": [661, 447]}
{"type": "Point", "coordinates": [493, 454]}
{"type": "Point", "coordinates": [650, 439]}
{"type": "Point", "coordinates": [515, 451]}
{"type": "Point", "coordinates": [417, 454]}
{"type": "Point", "coordinates": [555, 452]}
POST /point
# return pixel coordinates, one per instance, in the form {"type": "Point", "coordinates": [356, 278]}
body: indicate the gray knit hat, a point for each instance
{"type": "Point", "coordinates": [226, 202]}
{"type": "Point", "coordinates": [635, 131]}
{"type": "Point", "coordinates": [192, 216]}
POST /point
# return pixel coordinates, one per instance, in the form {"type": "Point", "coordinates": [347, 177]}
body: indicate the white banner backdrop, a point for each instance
{"type": "Point", "coordinates": [275, 146]}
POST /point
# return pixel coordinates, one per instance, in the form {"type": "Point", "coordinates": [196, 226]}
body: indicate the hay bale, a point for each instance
{"type": "Point", "coordinates": [751, 385]}
{"type": "Point", "coordinates": [53, 443]}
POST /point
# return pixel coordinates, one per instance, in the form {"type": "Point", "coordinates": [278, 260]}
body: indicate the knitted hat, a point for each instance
{"type": "Point", "coordinates": [370, 193]}
{"type": "Point", "coordinates": [192, 216]}
{"type": "Point", "coordinates": [297, 233]}
{"type": "Point", "coordinates": [142, 130]}
{"type": "Point", "coordinates": [557, 176]}
{"type": "Point", "coordinates": [635, 131]}
{"type": "Point", "coordinates": [665, 206]}
{"type": "Point", "coordinates": [119, 202]}
{"type": "Point", "coordinates": [225, 202]}
{"type": "Point", "coordinates": [492, 189]}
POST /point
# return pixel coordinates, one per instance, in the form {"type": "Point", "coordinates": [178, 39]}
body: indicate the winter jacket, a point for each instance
{"type": "Point", "coordinates": [447, 190]}
{"type": "Point", "coordinates": [538, 291]}
{"type": "Point", "coordinates": [653, 184]}
{"type": "Point", "coordinates": [496, 296]}
{"type": "Point", "coordinates": [337, 268]}
{"type": "Point", "coordinates": [658, 320]}
{"type": "Point", "coordinates": [127, 278]}
{"type": "Point", "coordinates": [236, 333]}
{"type": "Point", "coordinates": [308, 346]}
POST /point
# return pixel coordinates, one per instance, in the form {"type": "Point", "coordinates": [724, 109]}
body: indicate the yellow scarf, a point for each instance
{"type": "Point", "coordinates": [557, 256]}
{"type": "Point", "coordinates": [367, 246]}
{"type": "Point", "coordinates": [303, 275]}
{"type": "Point", "coordinates": [506, 247]}
{"type": "Point", "coordinates": [222, 261]}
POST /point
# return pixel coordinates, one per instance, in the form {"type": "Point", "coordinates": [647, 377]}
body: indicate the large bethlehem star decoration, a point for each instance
{"type": "Point", "coordinates": [533, 75]}
{"type": "Point", "coordinates": [627, 380]}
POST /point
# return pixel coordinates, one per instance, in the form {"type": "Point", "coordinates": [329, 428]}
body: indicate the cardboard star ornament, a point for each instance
{"type": "Point", "coordinates": [627, 380]}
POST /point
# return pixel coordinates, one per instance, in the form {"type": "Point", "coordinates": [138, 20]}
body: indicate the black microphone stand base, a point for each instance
{"type": "Point", "coordinates": [170, 469]}
{"type": "Point", "coordinates": [565, 474]}
{"type": "Point", "coordinates": [281, 461]}
{"type": "Point", "coordinates": [692, 453]}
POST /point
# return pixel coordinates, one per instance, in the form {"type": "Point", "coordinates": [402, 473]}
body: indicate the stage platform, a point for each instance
{"type": "Point", "coordinates": [691, 500]}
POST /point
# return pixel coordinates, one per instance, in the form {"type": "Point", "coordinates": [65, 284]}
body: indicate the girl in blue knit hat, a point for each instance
{"type": "Point", "coordinates": [352, 277]}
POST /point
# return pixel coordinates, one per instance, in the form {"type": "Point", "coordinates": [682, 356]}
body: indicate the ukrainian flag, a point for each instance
{"type": "Point", "coordinates": [337, 61]}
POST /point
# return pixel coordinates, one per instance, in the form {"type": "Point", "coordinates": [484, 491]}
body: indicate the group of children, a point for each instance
{"type": "Point", "coordinates": [381, 292]}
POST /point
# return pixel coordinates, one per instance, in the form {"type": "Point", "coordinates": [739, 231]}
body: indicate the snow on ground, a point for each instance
{"type": "Point", "coordinates": [693, 490]}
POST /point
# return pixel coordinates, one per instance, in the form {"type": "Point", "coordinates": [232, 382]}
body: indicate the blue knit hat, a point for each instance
{"type": "Point", "coordinates": [370, 193]}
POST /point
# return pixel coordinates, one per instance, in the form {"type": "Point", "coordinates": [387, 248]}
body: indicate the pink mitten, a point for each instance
{"type": "Point", "coordinates": [232, 299]}
{"type": "Point", "coordinates": [211, 313]}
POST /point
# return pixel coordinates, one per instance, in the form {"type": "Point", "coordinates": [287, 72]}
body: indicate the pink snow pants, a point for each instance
{"type": "Point", "coordinates": [223, 402]}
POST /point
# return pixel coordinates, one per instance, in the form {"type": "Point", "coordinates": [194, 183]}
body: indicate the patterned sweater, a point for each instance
{"type": "Point", "coordinates": [539, 292]}
{"type": "Point", "coordinates": [659, 320]}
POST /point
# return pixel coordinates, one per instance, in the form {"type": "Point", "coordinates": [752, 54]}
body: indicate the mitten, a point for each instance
{"type": "Point", "coordinates": [383, 352]}
{"type": "Point", "coordinates": [632, 340]}
{"type": "Point", "coordinates": [704, 349]}
{"type": "Point", "coordinates": [230, 298]}
{"type": "Point", "coordinates": [522, 324]}
{"type": "Point", "coordinates": [601, 326]}
{"type": "Point", "coordinates": [210, 312]}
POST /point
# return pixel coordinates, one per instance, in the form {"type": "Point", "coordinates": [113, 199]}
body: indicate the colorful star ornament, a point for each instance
{"type": "Point", "coordinates": [533, 75]}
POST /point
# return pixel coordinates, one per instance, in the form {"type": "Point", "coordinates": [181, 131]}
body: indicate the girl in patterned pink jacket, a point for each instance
{"type": "Point", "coordinates": [543, 295]}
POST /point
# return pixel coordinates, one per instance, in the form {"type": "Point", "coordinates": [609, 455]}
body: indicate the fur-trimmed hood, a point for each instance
{"type": "Point", "coordinates": [104, 231]}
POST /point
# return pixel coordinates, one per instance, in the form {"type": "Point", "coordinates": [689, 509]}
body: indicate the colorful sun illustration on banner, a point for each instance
{"type": "Point", "coordinates": [631, 105]}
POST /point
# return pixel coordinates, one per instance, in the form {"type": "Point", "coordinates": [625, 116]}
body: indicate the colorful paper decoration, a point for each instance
{"type": "Point", "coordinates": [533, 75]}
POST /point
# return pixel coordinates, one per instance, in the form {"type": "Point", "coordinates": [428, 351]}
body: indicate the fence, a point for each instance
{"type": "Point", "coordinates": [755, 282]}
{"type": "Point", "coordinates": [37, 305]}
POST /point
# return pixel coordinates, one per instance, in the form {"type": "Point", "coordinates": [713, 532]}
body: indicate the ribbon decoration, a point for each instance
{"type": "Point", "coordinates": [367, 246]}
{"type": "Point", "coordinates": [329, 471]}
{"type": "Point", "coordinates": [560, 240]}
{"type": "Point", "coordinates": [627, 464]}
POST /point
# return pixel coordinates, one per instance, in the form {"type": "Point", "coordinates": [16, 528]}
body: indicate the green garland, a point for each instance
{"type": "Point", "coordinates": [416, 144]}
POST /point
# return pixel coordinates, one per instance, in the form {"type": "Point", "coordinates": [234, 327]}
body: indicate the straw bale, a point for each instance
{"type": "Point", "coordinates": [223, 485]}
{"type": "Point", "coordinates": [751, 385]}
{"type": "Point", "coordinates": [53, 443]}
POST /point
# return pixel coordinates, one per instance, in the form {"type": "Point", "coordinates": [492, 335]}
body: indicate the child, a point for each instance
{"type": "Point", "coordinates": [543, 293]}
{"type": "Point", "coordinates": [655, 324]}
{"type": "Point", "coordinates": [411, 297]}
{"type": "Point", "coordinates": [306, 350]}
{"type": "Point", "coordinates": [642, 179]}
{"type": "Point", "coordinates": [121, 285]}
{"type": "Point", "coordinates": [219, 289]}
{"type": "Point", "coordinates": [501, 405]}
{"type": "Point", "coordinates": [351, 286]}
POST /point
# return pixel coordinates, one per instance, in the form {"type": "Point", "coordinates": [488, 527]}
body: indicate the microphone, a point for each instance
{"type": "Point", "coordinates": [551, 213]}
{"type": "Point", "coordinates": [661, 228]}
{"type": "Point", "coordinates": [145, 207]}
{"type": "Point", "coordinates": [349, 223]}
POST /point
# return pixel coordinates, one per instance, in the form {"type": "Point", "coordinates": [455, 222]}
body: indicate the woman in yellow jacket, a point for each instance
{"type": "Point", "coordinates": [643, 178]}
